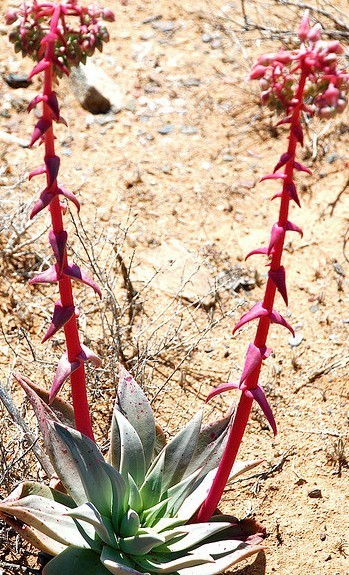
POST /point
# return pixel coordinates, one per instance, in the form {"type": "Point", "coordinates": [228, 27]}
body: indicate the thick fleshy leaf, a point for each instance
{"type": "Point", "coordinates": [33, 536]}
{"type": "Point", "coordinates": [64, 370]}
{"type": "Point", "coordinates": [116, 562]}
{"type": "Point", "coordinates": [179, 452]}
{"type": "Point", "coordinates": [35, 101]}
{"type": "Point", "coordinates": [297, 130]}
{"type": "Point", "coordinates": [74, 272]}
{"type": "Point", "coordinates": [46, 516]}
{"type": "Point", "coordinates": [192, 535]}
{"type": "Point", "coordinates": [135, 500]}
{"type": "Point", "coordinates": [86, 355]}
{"type": "Point", "coordinates": [120, 495]}
{"type": "Point", "coordinates": [89, 464]}
{"type": "Point", "coordinates": [59, 407]}
{"type": "Point", "coordinates": [87, 513]}
{"type": "Point", "coordinates": [40, 129]}
{"type": "Point", "coordinates": [152, 487]}
{"type": "Point", "coordinates": [178, 493]}
{"type": "Point", "coordinates": [131, 449]}
{"type": "Point", "coordinates": [130, 524]}
{"type": "Point", "coordinates": [61, 315]}
{"type": "Point", "coordinates": [255, 312]}
{"type": "Point", "coordinates": [222, 559]}
{"type": "Point", "coordinates": [58, 243]}
{"type": "Point", "coordinates": [156, 563]}
{"type": "Point", "coordinates": [210, 446]}
{"type": "Point", "coordinates": [75, 561]}
{"type": "Point", "coordinates": [136, 408]}
{"type": "Point", "coordinates": [141, 544]}
{"type": "Point", "coordinates": [278, 277]}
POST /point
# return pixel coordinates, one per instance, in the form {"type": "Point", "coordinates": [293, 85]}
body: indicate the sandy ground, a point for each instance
{"type": "Point", "coordinates": [171, 203]}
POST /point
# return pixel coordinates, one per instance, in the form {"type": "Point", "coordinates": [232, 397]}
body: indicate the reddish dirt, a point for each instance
{"type": "Point", "coordinates": [194, 188]}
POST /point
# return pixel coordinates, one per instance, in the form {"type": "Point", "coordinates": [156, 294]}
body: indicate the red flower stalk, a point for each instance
{"type": "Point", "coordinates": [57, 47]}
{"type": "Point", "coordinates": [288, 79]}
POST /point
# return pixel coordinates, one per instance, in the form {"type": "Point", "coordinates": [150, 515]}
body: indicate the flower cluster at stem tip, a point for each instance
{"type": "Point", "coordinates": [277, 74]}
{"type": "Point", "coordinates": [73, 43]}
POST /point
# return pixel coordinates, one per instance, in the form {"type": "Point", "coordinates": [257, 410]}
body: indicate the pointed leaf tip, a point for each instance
{"type": "Point", "coordinates": [49, 276]}
{"type": "Point", "coordinates": [263, 251]}
{"type": "Point", "coordinates": [40, 129]}
{"type": "Point", "coordinates": [279, 279]}
{"type": "Point", "coordinates": [76, 273]}
{"type": "Point", "coordinates": [221, 389]}
{"type": "Point", "coordinates": [64, 370]}
{"type": "Point", "coordinates": [61, 315]}
{"type": "Point", "coordinates": [58, 242]}
{"type": "Point", "coordinates": [52, 166]}
{"type": "Point", "coordinates": [255, 312]}
{"type": "Point", "coordinates": [276, 317]}
{"type": "Point", "coordinates": [259, 395]}
{"type": "Point", "coordinates": [254, 357]}
{"type": "Point", "coordinates": [290, 227]}
{"type": "Point", "coordinates": [43, 202]}
{"type": "Point", "coordinates": [284, 158]}
{"type": "Point", "coordinates": [39, 67]}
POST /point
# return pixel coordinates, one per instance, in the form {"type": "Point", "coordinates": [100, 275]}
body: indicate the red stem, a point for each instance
{"type": "Point", "coordinates": [245, 403]}
{"type": "Point", "coordinates": [77, 378]}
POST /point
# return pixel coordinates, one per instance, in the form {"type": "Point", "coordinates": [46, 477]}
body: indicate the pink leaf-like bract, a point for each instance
{"type": "Point", "coordinates": [279, 279]}
{"type": "Point", "coordinates": [290, 227]}
{"type": "Point", "coordinates": [58, 244]}
{"type": "Point", "coordinates": [74, 272]}
{"type": "Point", "coordinates": [284, 158]}
{"type": "Point", "coordinates": [222, 388]}
{"type": "Point", "coordinates": [35, 101]}
{"type": "Point", "coordinates": [44, 200]}
{"type": "Point", "coordinates": [262, 251]}
{"type": "Point", "coordinates": [40, 128]}
{"type": "Point", "coordinates": [49, 276]}
{"type": "Point", "coordinates": [70, 196]}
{"type": "Point", "coordinates": [276, 236]}
{"type": "Point", "coordinates": [297, 130]}
{"type": "Point", "coordinates": [39, 67]}
{"type": "Point", "coordinates": [255, 312]}
{"type": "Point", "coordinates": [87, 355]}
{"type": "Point", "coordinates": [275, 317]}
{"type": "Point", "coordinates": [291, 189]}
{"type": "Point", "coordinates": [302, 168]}
{"type": "Point", "coordinates": [259, 395]}
{"type": "Point", "coordinates": [61, 315]}
{"type": "Point", "coordinates": [275, 176]}
{"type": "Point", "coordinates": [52, 101]}
{"type": "Point", "coordinates": [254, 357]}
{"type": "Point", "coordinates": [52, 164]}
{"type": "Point", "coordinates": [64, 370]}
{"type": "Point", "coordinates": [37, 172]}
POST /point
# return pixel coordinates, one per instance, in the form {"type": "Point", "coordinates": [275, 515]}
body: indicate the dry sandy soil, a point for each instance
{"type": "Point", "coordinates": [171, 203]}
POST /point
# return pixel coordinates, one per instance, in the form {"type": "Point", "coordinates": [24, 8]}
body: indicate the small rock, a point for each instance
{"type": "Point", "coordinates": [166, 129]}
{"type": "Point", "coordinates": [296, 340]}
{"type": "Point", "coordinates": [228, 158]}
{"type": "Point", "coordinates": [17, 81]}
{"type": "Point", "coordinates": [96, 92]}
{"type": "Point", "coordinates": [216, 43]}
{"type": "Point", "coordinates": [315, 493]}
{"type": "Point", "coordinates": [189, 130]}
{"type": "Point", "coordinates": [314, 308]}
{"type": "Point", "coordinates": [164, 26]}
{"type": "Point", "coordinates": [206, 38]}
{"type": "Point", "coordinates": [338, 269]}
{"type": "Point", "coordinates": [322, 536]}
{"type": "Point", "coordinates": [189, 82]}
{"type": "Point", "coordinates": [152, 19]}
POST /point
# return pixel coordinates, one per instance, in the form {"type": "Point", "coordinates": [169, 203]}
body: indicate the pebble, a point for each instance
{"type": "Point", "coordinates": [315, 493]}
{"type": "Point", "coordinates": [228, 158]}
{"type": "Point", "coordinates": [296, 340]}
{"type": "Point", "coordinates": [167, 129]}
{"type": "Point", "coordinates": [314, 308]}
{"type": "Point", "coordinates": [17, 81]}
{"type": "Point", "coordinates": [164, 26]}
{"type": "Point", "coordinates": [206, 38]}
{"type": "Point", "coordinates": [338, 269]}
{"type": "Point", "coordinates": [152, 19]}
{"type": "Point", "coordinates": [189, 130]}
{"type": "Point", "coordinates": [216, 43]}
{"type": "Point", "coordinates": [189, 82]}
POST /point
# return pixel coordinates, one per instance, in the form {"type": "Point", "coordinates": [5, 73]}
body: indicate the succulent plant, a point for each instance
{"type": "Point", "coordinates": [130, 514]}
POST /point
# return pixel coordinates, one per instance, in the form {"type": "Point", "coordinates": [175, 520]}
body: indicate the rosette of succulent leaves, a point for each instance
{"type": "Point", "coordinates": [132, 513]}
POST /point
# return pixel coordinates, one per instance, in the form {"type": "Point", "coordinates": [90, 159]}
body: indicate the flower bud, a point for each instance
{"type": "Point", "coordinates": [11, 17]}
{"type": "Point", "coordinates": [314, 33]}
{"type": "Point", "coordinates": [304, 27]}
{"type": "Point", "coordinates": [258, 72]}
{"type": "Point", "coordinates": [108, 15]}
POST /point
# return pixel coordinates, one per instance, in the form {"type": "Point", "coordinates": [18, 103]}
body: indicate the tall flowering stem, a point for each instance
{"type": "Point", "coordinates": [43, 31]}
{"type": "Point", "coordinates": [288, 80]}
